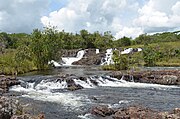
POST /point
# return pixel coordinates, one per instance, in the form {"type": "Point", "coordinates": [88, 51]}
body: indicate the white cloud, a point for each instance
{"type": "Point", "coordinates": [154, 16]}
{"type": "Point", "coordinates": [21, 15]}
{"type": "Point", "coordinates": [121, 17]}
{"type": "Point", "coordinates": [176, 8]}
{"type": "Point", "coordinates": [129, 32]}
{"type": "Point", "coordinates": [93, 15]}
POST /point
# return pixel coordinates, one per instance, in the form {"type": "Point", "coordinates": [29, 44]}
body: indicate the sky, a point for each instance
{"type": "Point", "coordinates": [122, 17]}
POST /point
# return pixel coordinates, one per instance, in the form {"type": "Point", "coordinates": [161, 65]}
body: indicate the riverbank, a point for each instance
{"type": "Point", "coordinates": [133, 112]}
{"type": "Point", "coordinates": [10, 108]}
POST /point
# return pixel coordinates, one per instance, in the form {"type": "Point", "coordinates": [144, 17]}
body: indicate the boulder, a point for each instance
{"type": "Point", "coordinates": [6, 82]}
{"type": "Point", "coordinates": [135, 112]}
{"type": "Point", "coordinates": [102, 110]}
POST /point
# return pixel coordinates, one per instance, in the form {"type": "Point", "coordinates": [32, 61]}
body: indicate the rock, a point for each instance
{"type": "Point", "coordinates": [134, 112]}
{"type": "Point", "coordinates": [6, 82]}
{"type": "Point", "coordinates": [41, 116]}
{"type": "Point", "coordinates": [164, 77]}
{"type": "Point", "coordinates": [74, 87]}
{"type": "Point", "coordinates": [102, 110]}
{"type": "Point", "coordinates": [71, 85]}
{"type": "Point", "coordinates": [9, 107]}
{"type": "Point", "coordinates": [25, 116]}
{"type": "Point", "coordinates": [90, 58]}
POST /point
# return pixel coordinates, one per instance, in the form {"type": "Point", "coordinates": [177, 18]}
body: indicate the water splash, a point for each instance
{"type": "Point", "coordinates": [70, 60]}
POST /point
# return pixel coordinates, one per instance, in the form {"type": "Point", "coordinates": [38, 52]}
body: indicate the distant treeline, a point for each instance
{"type": "Point", "coordinates": [21, 52]}
{"type": "Point", "coordinates": [84, 39]}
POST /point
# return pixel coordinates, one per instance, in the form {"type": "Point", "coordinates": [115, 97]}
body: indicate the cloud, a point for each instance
{"type": "Point", "coordinates": [93, 15]}
{"type": "Point", "coordinates": [155, 17]}
{"type": "Point", "coordinates": [21, 15]}
{"type": "Point", "coordinates": [121, 17]}
{"type": "Point", "coordinates": [129, 32]}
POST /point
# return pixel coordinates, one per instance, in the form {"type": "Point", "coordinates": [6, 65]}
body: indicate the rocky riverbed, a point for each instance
{"type": "Point", "coordinates": [10, 108]}
{"type": "Point", "coordinates": [133, 112]}
{"type": "Point", "coordinates": [164, 77]}
{"type": "Point", "coordinates": [81, 92]}
{"type": "Point", "coordinates": [6, 82]}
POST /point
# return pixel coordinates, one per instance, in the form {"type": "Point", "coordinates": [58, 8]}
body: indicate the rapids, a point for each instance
{"type": "Point", "coordinates": [47, 92]}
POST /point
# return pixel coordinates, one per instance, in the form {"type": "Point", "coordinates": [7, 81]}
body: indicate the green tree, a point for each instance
{"type": "Point", "coordinates": [149, 55]}
{"type": "Point", "coordinates": [121, 61]}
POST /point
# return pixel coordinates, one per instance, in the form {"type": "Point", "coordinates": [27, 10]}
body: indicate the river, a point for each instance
{"type": "Point", "coordinates": [41, 92]}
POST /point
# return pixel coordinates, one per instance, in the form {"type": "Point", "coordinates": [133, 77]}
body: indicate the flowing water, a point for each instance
{"type": "Point", "coordinates": [44, 92]}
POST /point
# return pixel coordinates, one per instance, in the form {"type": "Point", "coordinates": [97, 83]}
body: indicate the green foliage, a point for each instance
{"type": "Point", "coordinates": [125, 41]}
{"type": "Point", "coordinates": [121, 61]}
{"type": "Point", "coordinates": [20, 52]}
{"type": "Point", "coordinates": [149, 55]}
{"type": "Point", "coordinates": [44, 47]}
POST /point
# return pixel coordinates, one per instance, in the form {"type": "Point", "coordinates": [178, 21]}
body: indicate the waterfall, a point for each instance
{"type": "Point", "coordinates": [97, 51]}
{"type": "Point", "coordinates": [70, 60]}
{"type": "Point", "coordinates": [108, 58]}
{"type": "Point", "coordinates": [127, 51]}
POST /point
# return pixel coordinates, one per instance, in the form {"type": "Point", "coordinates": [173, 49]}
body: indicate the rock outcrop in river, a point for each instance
{"type": "Point", "coordinates": [10, 108]}
{"type": "Point", "coordinates": [134, 112]}
{"type": "Point", "coordinates": [6, 82]}
{"type": "Point", "coordinates": [164, 77]}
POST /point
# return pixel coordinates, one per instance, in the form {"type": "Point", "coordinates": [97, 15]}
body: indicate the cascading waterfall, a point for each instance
{"type": "Point", "coordinates": [108, 58]}
{"type": "Point", "coordinates": [70, 60]}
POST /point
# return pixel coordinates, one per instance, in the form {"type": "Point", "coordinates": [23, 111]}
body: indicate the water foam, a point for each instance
{"type": "Point", "coordinates": [70, 60]}
{"type": "Point", "coordinates": [108, 58]}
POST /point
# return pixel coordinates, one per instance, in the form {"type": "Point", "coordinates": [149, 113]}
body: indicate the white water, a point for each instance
{"type": "Point", "coordinates": [108, 58]}
{"type": "Point", "coordinates": [53, 90]}
{"type": "Point", "coordinates": [56, 64]}
{"type": "Point", "coordinates": [70, 60]}
{"type": "Point", "coordinates": [49, 85]}
{"type": "Point", "coordinates": [97, 51]}
{"type": "Point", "coordinates": [43, 92]}
{"type": "Point", "coordinates": [127, 51]}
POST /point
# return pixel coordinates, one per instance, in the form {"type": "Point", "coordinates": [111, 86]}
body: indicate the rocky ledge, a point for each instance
{"type": "Point", "coordinates": [90, 58]}
{"type": "Point", "coordinates": [164, 77]}
{"type": "Point", "coordinates": [133, 112]}
{"type": "Point", "coordinates": [10, 108]}
{"type": "Point", "coordinates": [6, 82]}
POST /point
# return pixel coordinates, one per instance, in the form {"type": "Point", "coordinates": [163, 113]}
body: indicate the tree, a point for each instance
{"type": "Point", "coordinates": [149, 55]}
{"type": "Point", "coordinates": [125, 41]}
{"type": "Point", "coordinates": [121, 61]}
{"type": "Point", "coordinates": [45, 46]}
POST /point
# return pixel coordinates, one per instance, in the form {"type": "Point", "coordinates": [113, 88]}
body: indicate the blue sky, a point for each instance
{"type": "Point", "coordinates": [122, 17]}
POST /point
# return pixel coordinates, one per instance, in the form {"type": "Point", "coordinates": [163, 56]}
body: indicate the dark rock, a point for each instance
{"type": "Point", "coordinates": [9, 107]}
{"type": "Point", "coordinates": [102, 111]}
{"type": "Point", "coordinates": [135, 113]}
{"type": "Point", "coordinates": [6, 82]}
{"type": "Point", "coordinates": [165, 77]}
{"type": "Point", "coordinates": [90, 58]}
